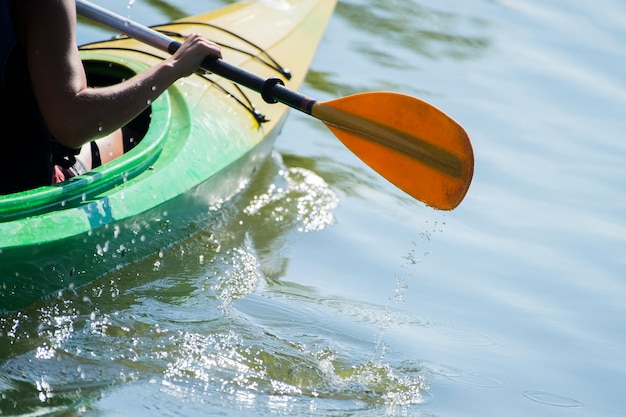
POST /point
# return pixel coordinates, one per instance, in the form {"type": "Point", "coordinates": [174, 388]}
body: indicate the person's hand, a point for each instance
{"type": "Point", "coordinates": [192, 52]}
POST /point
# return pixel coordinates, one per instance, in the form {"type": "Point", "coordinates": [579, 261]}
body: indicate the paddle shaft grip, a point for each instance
{"type": "Point", "coordinates": [271, 89]}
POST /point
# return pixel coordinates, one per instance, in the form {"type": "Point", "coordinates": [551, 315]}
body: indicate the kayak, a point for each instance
{"type": "Point", "coordinates": [199, 144]}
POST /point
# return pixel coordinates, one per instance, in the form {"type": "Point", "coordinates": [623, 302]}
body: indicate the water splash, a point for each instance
{"type": "Point", "coordinates": [304, 199]}
{"type": "Point", "coordinates": [399, 289]}
{"type": "Point", "coordinates": [257, 375]}
{"type": "Point", "coordinates": [240, 279]}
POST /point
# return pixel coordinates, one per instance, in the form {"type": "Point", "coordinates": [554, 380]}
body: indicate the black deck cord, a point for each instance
{"type": "Point", "coordinates": [269, 84]}
{"type": "Point", "coordinates": [272, 64]}
{"type": "Point", "coordinates": [258, 116]}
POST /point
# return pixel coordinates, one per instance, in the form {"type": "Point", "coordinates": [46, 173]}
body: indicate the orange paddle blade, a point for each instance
{"type": "Point", "coordinates": [411, 143]}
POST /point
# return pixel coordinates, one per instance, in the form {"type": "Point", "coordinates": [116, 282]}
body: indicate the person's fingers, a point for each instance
{"type": "Point", "coordinates": [193, 51]}
{"type": "Point", "coordinates": [210, 48]}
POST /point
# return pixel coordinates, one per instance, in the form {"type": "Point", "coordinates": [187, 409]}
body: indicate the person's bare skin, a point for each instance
{"type": "Point", "coordinates": [110, 147]}
{"type": "Point", "coordinates": [75, 113]}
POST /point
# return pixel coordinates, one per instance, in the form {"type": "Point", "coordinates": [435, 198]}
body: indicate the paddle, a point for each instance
{"type": "Point", "coordinates": [409, 142]}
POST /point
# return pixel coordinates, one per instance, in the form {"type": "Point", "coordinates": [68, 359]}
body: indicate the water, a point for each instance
{"type": "Point", "coordinates": [326, 291]}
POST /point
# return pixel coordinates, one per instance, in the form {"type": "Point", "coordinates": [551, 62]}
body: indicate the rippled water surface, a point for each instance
{"type": "Point", "coordinates": [323, 290]}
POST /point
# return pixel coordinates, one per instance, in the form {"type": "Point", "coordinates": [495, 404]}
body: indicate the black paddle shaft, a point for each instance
{"type": "Point", "coordinates": [271, 89]}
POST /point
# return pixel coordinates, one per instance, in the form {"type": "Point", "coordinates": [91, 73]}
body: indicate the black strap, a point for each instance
{"type": "Point", "coordinates": [96, 160]}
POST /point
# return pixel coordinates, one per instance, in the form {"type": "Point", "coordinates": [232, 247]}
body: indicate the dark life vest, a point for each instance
{"type": "Point", "coordinates": [25, 140]}
{"type": "Point", "coordinates": [7, 36]}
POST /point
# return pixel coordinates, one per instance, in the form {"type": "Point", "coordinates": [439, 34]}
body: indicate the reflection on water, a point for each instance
{"type": "Point", "coordinates": [424, 30]}
{"type": "Point", "coordinates": [386, 45]}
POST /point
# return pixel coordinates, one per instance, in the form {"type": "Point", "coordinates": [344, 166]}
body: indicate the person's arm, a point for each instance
{"type": "Point", "coordinates": [75, 113]}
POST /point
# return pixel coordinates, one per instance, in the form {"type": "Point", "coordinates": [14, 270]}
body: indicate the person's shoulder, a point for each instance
{"type": "Point", "coordinates": [46, 3]}
{"type": "Point", "coordinates": [43, 7]}
{"type": "Point", "coordinates": [46, 12]}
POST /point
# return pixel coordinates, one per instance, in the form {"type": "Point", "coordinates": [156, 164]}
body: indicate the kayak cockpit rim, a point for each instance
{"type": "Point", "coordinates": [149, 141]}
